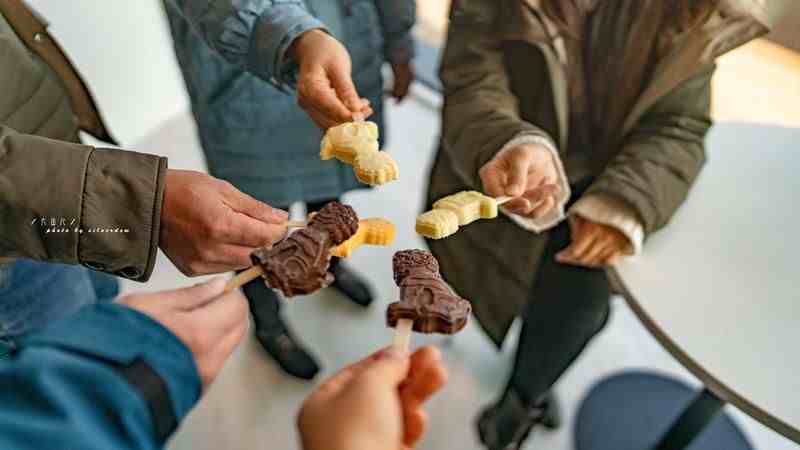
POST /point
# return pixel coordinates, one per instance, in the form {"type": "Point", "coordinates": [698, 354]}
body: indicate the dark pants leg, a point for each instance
{"type": "Point", "coordinates": [568, 306]}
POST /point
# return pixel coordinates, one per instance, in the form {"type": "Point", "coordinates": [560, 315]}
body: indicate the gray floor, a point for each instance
{"type": "Point", "coordinates": [252, 406]}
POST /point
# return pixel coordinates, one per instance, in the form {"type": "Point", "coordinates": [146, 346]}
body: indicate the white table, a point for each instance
{"type": "Point", "coordinates": [720, 286]}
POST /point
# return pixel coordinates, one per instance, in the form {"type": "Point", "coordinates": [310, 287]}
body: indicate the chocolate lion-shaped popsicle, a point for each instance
{"type": "Point", "coordinates": [426, 300]}
{"type": "Point", "coordinates": [299, 264]}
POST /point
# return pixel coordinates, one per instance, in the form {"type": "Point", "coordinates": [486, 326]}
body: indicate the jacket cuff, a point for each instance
{"type": "Point", "coordinates": [614, 213]}
{"type": "Point", "coordinates": [121, 336]}
{"type": "Point", "coordinates": [121, 212]}
{"type": "Point", "coordinates": [556, 215]}
{"type": "Point", "coordinates": [274, 34]}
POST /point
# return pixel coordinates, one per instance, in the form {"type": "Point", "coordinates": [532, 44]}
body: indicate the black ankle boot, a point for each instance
{"type": "Point", "coordinates": [351, 285]}
{"type": "Point", "coordinates": [507, 424]}
{"type": "Point", "coordinates": [289, 354]}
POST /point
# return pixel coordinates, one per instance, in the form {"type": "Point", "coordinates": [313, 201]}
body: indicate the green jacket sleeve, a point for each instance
{"type": "Point", "coordinates": [76, 204]}
{"type": "Point", "coordinates": [480, 111]}
{"type": "Point", "coordinates": [663, 155]}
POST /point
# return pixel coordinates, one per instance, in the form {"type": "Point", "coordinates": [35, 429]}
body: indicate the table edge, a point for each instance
{"type": "Point", "coordinates": [715, 385]}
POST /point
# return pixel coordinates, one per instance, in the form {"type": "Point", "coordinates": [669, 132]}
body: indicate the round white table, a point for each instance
{"type": "Point", "coordinates": [720, 286]}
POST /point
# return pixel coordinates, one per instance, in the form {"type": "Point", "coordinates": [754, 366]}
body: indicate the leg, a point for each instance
{"type": "Point", "coordinates": [569, 305]}
{"type": "Point", "coordinates": [346, 280]}
{"type": "Point", "coordinates": [274, 335]}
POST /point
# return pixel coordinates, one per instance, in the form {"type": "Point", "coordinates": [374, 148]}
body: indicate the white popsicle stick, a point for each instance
{"type": "Point", "coordinates": [296, 224]}
{"type": "Point", "coordinates": [402, 335]}
{"type": "Point", "coordinates": [502, 200]}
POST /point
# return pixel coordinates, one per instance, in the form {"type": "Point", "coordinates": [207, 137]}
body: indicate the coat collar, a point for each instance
{"type": "Point", "coordinates": [738, 22]}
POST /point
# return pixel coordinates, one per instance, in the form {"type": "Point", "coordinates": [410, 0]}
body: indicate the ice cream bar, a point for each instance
{"type": "Point", "coordinates": [370, 232]}
{"type": "Point", "coordinates": [299, 264]}
{"type": "Point", "coordinates": [426, 299]}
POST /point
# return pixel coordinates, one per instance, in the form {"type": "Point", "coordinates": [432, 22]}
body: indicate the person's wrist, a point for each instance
{"type": "Point", "coordinates": [304, 41]}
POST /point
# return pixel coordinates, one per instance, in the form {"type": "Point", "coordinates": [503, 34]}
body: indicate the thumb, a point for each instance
{"type": "Point", "coordinates": [390, 367]}
{"type": "Point", "coordinates": [195, 296]}
{"type": "Point", "coordinates": [247, 205]}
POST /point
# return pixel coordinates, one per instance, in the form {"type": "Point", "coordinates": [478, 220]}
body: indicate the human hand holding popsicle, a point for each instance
{"type": "Point", "coordinates": [527, 174]}
{"type": "Point", "coordinates": [376, 403]}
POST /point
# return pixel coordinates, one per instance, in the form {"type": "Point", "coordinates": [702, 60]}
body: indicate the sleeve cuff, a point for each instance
{"type": "Point", "coordinates": [121, 335]}
{"type": "Point", "coordinates": [273, 36]}
{"type": "Point", "coordinates": [121, 212]}
{"type": "Point", "coordinates": [556, 215]}
{"type": "Point", "coordinates": [614, 213]}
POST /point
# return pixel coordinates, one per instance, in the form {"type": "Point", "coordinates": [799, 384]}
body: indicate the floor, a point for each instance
{"type": "Point", "coordinates": [252, 405]}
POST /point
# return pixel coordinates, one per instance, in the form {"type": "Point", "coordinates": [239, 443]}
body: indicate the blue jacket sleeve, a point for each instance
{"type": "Point", "coordinates": [62, 389]}
{"type": "Point", "coordinates": [397, 19]}
{"type": "Point", "coordinates": [252, 34]}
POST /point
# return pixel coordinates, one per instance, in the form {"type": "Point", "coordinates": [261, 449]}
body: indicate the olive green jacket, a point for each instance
{"type": "Point", "coordinates": [503, 78]}
{"type": "Point", "coordinates": [51, 187]}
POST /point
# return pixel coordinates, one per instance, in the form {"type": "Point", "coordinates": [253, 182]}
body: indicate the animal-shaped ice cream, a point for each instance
{"type": "Point", "coordinates": [370, 232]}
{"type": "Point", "coordinates": [454, 211]}
{"type": "Point", "coordinates": [299, 264]}
{"type": "Point", "coordinates": [356, 144]}
{"type": "Point", "coordinates": [427, 303]}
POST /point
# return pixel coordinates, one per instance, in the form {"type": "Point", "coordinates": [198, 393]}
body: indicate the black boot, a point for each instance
{"type": "Point", "coordinates": [351, 285]}
{"type": "Point", "coordinates": [273, 333]}
{"type": "Point", "coordinates": [507, 424]}
{"type": "Point", "coordinates": [289, 354]}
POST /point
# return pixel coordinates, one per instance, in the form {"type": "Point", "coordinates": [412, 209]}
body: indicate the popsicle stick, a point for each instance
{"type": "Point", "coordinates": [296, 224]}
{"type": "Point", "coordinates": [402, 335]}
{"type": "Point", "coordinates": [244, 278]}
{"type": "Point", "coordinates": [503, 200]}
{"type": "Point", "coordinates": [358, 117]}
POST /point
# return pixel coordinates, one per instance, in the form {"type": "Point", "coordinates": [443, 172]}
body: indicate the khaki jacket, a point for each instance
{"type": "Point", "coordinates": [52, 187]}
{"type": "Point", "coordinates": [503, 77]}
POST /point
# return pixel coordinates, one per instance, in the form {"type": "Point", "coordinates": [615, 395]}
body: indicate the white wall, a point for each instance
{"type": "Point", "coordinates": [124, 51]}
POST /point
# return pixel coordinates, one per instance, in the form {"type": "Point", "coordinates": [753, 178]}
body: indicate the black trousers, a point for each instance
{"type": "Point", "coordinates": [568, 306]}
{"type": "Point", "coordinates": [265, 305]}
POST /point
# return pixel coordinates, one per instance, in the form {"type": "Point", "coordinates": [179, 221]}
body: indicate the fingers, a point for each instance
{"type": "Point", "coordinates": [415, 423]}
{"type": "Point", "coordinates": [223, 314]}
{"type": "Point", "coordinates": [194, 296]}
{"type": "Point", "coordinates": [245, 204]}
{"type": "Point", "coordinates": [338, 381]}
{"type": "Point", "coordinates": [544, 207]}
{"type": "Point", "coordinates": [426, 376]}
{"type": "Point", "coordinates": [242, 230]}
{"type": "Point", "coordinates": [321, 100]}
{"type": "Point", "coordinates": [494, 179]}
{"type": "Point", "coordinates": [517, 165]}
{"type": "Point", "coordinates": [342, 82]}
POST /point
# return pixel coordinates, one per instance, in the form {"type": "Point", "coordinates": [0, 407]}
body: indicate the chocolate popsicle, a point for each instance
{"type": "Point", "coordinates": [299, 264]}
{"type": "Point", "coordinates": [427, 303]}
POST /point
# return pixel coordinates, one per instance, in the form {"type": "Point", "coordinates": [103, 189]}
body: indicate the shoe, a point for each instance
{"type": "Point", "coordinates": [293, 359]}
{"type": "Point", "coordinates": [507, 424]}
{"type": "Point", "coordinates": [352, 285]}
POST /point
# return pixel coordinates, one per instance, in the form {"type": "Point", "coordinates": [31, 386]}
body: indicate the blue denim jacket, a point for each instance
{"type": "Point", "coordinates": [233, 58]}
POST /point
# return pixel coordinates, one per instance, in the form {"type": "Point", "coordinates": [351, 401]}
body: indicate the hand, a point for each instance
{"type": "Point", "coordinates": [593, 245]}
{"type": "Point", "coordinates": [403, 77]}
{"type": "Point", "coordinates": [526, 172]}
{"type": "Point", "coordinates": [375, 403]}
{"type": "Point", "coordinates": [325, 88]}
{"type": "Point", "coordinates": [209, 322]}
{"type": "Point", "coordinates": [208, 226]}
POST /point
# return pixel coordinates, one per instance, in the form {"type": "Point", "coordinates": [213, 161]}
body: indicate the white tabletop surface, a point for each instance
{"type": "Point", "coordinates": [720, 286]}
